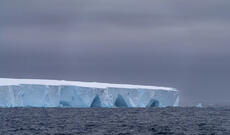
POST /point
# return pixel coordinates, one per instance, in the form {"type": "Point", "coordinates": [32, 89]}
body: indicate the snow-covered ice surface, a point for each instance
{"type": "Point", "coordinates": [54, 93]}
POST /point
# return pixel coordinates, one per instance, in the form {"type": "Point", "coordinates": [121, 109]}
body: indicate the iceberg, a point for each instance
{"type": "Point", "coordinates": [60, 93]}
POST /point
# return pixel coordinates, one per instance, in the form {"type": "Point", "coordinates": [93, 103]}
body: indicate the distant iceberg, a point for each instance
{"type": "Point", "coordinates": [54, 93]}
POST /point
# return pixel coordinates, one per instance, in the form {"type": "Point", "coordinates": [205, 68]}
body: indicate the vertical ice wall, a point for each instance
{"type": "Point", "coordinates": [66, 95]}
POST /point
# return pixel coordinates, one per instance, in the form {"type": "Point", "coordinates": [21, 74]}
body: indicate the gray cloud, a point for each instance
{"type": "Point", "coordinates": [183, 44]}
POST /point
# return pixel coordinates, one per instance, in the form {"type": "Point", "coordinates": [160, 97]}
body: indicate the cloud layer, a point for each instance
{"type": "Point", "coordinates": [183, 44]}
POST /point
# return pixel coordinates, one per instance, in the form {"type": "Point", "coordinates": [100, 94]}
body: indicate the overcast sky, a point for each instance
{"type": "Point", "coordinates": [175, 43]}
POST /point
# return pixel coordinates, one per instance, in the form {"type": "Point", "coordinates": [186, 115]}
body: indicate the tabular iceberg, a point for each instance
{"type": "Point", "coordinates": [54, 93]}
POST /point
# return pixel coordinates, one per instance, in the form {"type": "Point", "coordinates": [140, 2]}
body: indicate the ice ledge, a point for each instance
{"type": "Point", "coordinates": [9, 81]}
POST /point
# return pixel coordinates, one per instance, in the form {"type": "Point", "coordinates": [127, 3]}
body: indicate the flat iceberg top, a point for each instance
{"type": "Point", "coordinates": [9, 81]}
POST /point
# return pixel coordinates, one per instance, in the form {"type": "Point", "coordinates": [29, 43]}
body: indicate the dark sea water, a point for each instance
{"type": "Point", "coordinates": [117, 121]}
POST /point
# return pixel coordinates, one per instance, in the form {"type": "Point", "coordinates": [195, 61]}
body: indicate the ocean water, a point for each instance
{"type": "Point", "coordinates": [116, 121]}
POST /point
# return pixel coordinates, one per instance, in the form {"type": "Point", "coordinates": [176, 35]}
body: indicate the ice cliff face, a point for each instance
{"type": "Point", "coordinates": [53, 93]}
